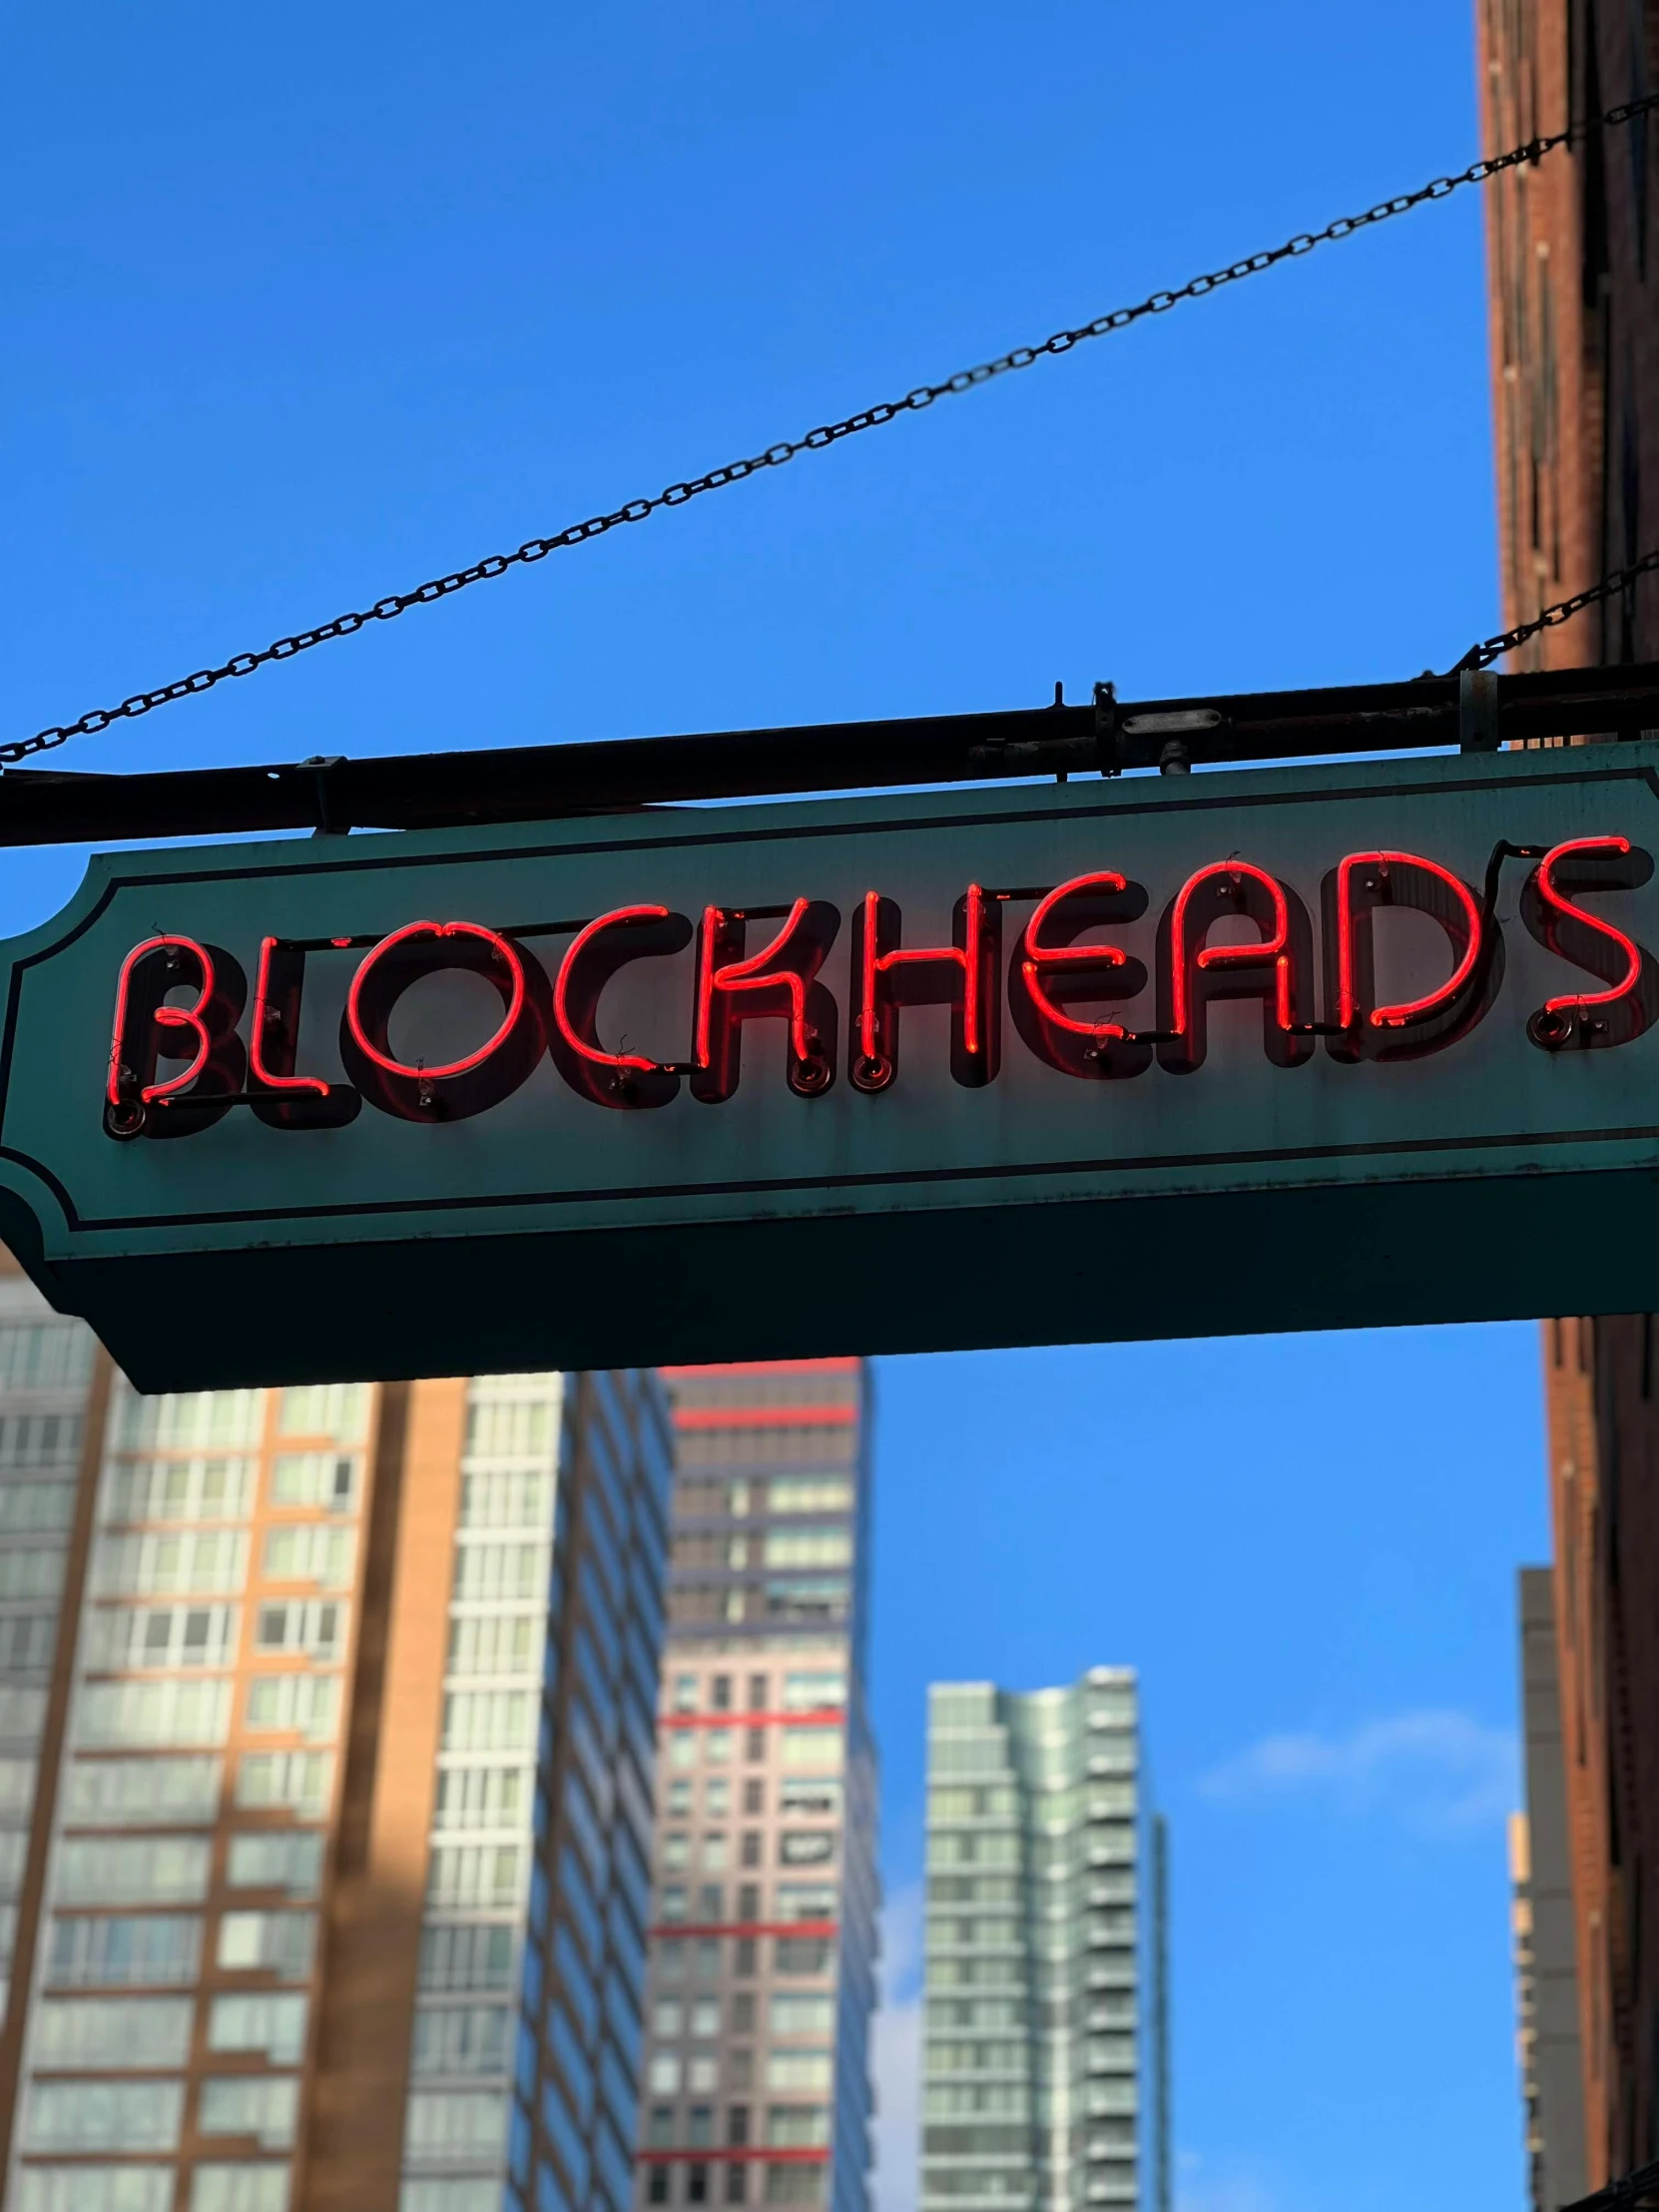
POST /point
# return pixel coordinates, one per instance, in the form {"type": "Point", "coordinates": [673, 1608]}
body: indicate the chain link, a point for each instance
{"type": "Point", "coordinates": [817, 440]}
{"type": "Point", "coordinates": [1622, 578]}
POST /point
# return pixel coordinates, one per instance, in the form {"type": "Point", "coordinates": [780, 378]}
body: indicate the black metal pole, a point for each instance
{"type": "Point", "coordinates": [535, 783]}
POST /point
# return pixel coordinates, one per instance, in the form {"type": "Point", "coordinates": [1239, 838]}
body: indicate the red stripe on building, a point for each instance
{"type": "Point", "coordinates": [774, 2153]}
{"type": "Point", "coordinates": [820, 1715]}
{"type": "Point", "coordinates": [769, 1366]}
{"type": "Point", "coordinates": [765, 1417]}
{"type": "Point", "coordinates": [744, 1927]}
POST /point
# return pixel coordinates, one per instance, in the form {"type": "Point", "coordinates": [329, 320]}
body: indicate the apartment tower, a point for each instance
{"type": "Point", "coordinates": [762, 1951]}
{"type": "Point", "coordinates": [326, 1785]}
{"type": "Point", "coordinates": [1036, 2048]}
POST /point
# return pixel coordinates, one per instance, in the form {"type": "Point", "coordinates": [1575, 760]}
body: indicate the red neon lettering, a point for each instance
{"type": "Point", "coordinates": [752, 974]}
{"type": "Point", "coordinates": [588, 1047]}
{"type": "Point", "coordinates": [889, 975]}
{"type": "Point", "coordinates": [1074, 958]}
{"type": "Point", "coordinates": [166, 1017]}
{"type": "Point", "coordinates": [264, 1016]}
{"type": "Point", "coordinates": [1562, 907]}
{"type": "Point", "coordinates": [1273, 948]}
{"type": "Point", "coordinates": [515, 1004]}
{"type": "Point", "coordinates": [967, 957]}
{"type": "Point", "coordinates": [1412, 1009]}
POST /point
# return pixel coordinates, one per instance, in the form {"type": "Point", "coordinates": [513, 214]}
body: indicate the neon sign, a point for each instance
{"type": "Point", "coordinates": [1036, 1063]}
{"type": "Point", "coordinates": [1054, 965]}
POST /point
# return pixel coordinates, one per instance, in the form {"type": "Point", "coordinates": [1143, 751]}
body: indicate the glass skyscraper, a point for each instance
{"type": "Point", "coordinates": [1036, 2055]}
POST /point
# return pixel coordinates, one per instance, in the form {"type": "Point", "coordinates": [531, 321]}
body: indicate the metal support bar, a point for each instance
{"type": "Point", "coordinates": [541, 783]}
{"type": "Point", "coordinates": [1477, 710]}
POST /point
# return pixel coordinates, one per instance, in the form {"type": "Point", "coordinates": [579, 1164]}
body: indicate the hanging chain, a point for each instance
{"type": "Point", "coordinates": [1622, 578]}
{"type": "Point", "coordinates": [815, 441]}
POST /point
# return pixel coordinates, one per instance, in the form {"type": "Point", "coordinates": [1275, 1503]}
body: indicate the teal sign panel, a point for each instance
{"type": "Point", "coordinates": [1242, 1051]}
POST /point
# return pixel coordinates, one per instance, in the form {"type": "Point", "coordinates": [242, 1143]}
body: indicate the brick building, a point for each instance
{"type": "Point", "coordinates": [1573, 262]}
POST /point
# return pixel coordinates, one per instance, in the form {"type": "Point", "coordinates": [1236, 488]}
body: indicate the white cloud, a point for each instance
{"type": "Point", "coordinates": [1437, 1770]}
{"type": "Point", "coordinates": [1198, 2189]}
{"type": "Point", "coordinates": [895, 2056]}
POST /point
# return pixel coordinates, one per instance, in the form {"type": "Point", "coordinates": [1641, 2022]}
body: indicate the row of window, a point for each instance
{"type": "Point", "coordinates": [668, 2071]}
{"type": "Point", "coordinates": [197, 1420]}
{"type": "Point", "coordinates": [39, 1440]}
{"type": "Point", "coordinates": [703, 1958]}
{"type": "Point", "coordinates": [811, 1847]}
{"type": "Point", "coordinates": [143, 1639]}
{"type": "Point", "coordinates": [215, 2186]}
{"type": "Point", "coordinates": [785, 1493]}
{"type": "Point", "coordinates": [224, 1488]}
{"type": "Point", "coordinates": [706, 1903]}
{"type": "Point", "coordinates": [783, 2127]}
{"type": "Point", "coordinates": [669, 2182]}
{"type": "Point", "coordinates": [779, 1547]}
{"type": "Point", "coordinates": [788, 2013]}
{"type": "Point", "coordinates": [803, 1690]}
{"type": "Point", "coordinates": [162, 1950]}
{"type": "Point", "coordinates": [804, 1794]}
{"type": "Point", "coordinates": [116, 2116]}
{"type": "Point", "coordinates": [203, 1560]}
{"type": "Point", "coordinates": [800, 1748]}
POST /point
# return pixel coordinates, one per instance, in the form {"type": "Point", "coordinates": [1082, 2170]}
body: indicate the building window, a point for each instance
{"type": "Point", "coordinates": [700, 2126]}
{"type": "Point", "coordinates": [657, 2183]}
{"type": "Point", "coordinates": [737, 2181]}
{"type": "Point", "coordinates": [659, 2128]}
{"type": "Point", "coordinates": [755, 1795]}
{"type": "Point", "coordinates": [277, 1859]}
{"type": "Point", "coordinates": [752, 1848]}
{"type": "Point", "coordinates": [719, 1694]}
{"type": "Point", "coordinates": [273, 2024]}
{"type": "Point", "coordinates": [737, 2125]}
{"type": "Point", "coordinates": [274, 1943]}
{"type": "Point", "coordinates": [793, 2184]}
{"type": "Point", "coordinates": [697, 2184]}
{"type": "Point", "coordinates": [685, 1693]}
{"type": "Point", "coordinates": [716, 1797]}
{"type": "Point", "coordinates": [104, 2116]}
{"type": "Point", "coordinates": [810, 1847]}
{"type": "Point", "coordinates": [755, 1745]}
{"type": "Point", "coordinates": [262, 2105]}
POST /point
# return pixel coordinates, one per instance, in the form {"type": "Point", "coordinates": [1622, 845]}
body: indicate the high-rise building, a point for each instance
{"type": "Point", "coordinates": [763, 1953]}
{"type": "Point", "coordinates": [326, 1787]}
{"type": "Point", "coordinates": [1036, 2047]}
{"type": "Point", "coordinates": [1546, 1977]}
{"type": "Point", "coordinates": [1573, 289]}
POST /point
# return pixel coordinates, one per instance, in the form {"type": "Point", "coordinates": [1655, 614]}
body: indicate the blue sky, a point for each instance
{"type": "Point", "coordinates": [305, 304]}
